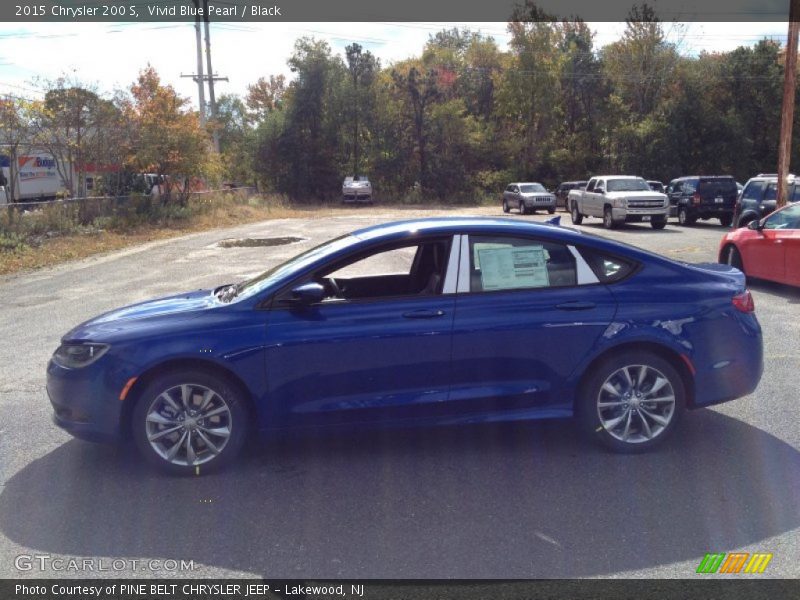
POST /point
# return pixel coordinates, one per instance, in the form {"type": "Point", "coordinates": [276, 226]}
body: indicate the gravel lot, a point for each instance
{"type": "Point", "coordinates": [516, 501]}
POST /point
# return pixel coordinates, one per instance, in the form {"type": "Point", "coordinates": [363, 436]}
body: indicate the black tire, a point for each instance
{"type": "Point", "coordinates": [726, 220]}
{"type": "Point", "coordinates": [684, 218]}
{"type": "Point", "coordinates": [235, 419]}
{"type": "Point", "coordinates": [732, 257]}
{"type": "Point", "coordinates": [551, 211]}
{"type": "Point", "coordinates": [577, 217]}
{"type": "Point", "coordinates": [505, 205]}
{"type": "Point", "coordinates": [639, 425]}
{"type": "Point", "coordinates": [523, 210]}
{"type": "Point", "coordinates": [608, 218]}
{"type": "Point", "coordinates": [658, 223]}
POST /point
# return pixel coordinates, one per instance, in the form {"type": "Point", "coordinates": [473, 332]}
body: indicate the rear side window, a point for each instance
{"type": "Point", "coordinates": [795, 193]}
{"type": "Point", "coordinates": [607, 267]}
{"type": "Point", "coordinates": [689, 186]}
{"type": "Point", "coordinates": [772, 192]}
{"type": "Point", "coordinates": [508, 263]}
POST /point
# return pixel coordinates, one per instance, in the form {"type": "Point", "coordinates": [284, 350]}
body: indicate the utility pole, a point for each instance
{"type": "Point", "coordinates": [198, 77]}
{"type": "Point", "coordinates": [787, 109]}
{"type": "Point", "coordinates": [212, 98]}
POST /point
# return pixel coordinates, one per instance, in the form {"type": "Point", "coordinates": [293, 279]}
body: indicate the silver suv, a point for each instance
{"type": "Point", "coordinates": [528, 197]}
{"type": "Point", "coordinates": [357, 189]}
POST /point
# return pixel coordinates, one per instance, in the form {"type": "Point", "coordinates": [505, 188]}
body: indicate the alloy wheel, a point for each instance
{"type": "Point", "coordinates": [188, 424]}
{"type": "Point", "coordinates": [636, 404]}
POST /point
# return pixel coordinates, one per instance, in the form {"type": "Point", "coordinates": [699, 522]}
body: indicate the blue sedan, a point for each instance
{"type": "Point", "coordinates": [434, 321]}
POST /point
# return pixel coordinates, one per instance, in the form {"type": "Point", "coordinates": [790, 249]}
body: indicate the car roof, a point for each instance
{"type": "Point", "coordinates": [616, 177]}
{"type": "Point", "coordinates": [524, 183]}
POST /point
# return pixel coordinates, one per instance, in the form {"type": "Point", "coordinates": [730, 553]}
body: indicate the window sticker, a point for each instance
{"type": "Point", "coordinates": [513, 268]}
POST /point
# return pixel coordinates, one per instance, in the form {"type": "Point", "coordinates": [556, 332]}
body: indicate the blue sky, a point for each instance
{"type": "Point", "coordinates": [109, 55]}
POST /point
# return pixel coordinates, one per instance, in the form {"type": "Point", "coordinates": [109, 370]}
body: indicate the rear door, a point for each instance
{"type": "Point", "coordinates": [528, 310]}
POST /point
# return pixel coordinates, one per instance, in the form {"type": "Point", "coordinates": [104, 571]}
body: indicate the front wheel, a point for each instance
{"type": "Point", "coordinates": [577, 217]}
{"type": "Point", "coordinates": [726, 220]}
{"type": "Point", "coordinates": [523, 210]}
{"type": "Point", "coordinates": [608, 218]}
{"type": "Point", "coordinates": [505, 205]}
{"type": "Point", "coordinates": [732, 257]}
{"type": "Point", "coordinates": [684, 218]}
{"type": "Point", "coordinates": [551, 211]}
{"type": "Point", "coordinates": [189, 422]}
{"type": "Point", "coordinates": [631, 402]}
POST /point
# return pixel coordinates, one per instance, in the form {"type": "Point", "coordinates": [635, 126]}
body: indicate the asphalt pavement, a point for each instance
{"type": "Point", "coordinates": [505, 501]}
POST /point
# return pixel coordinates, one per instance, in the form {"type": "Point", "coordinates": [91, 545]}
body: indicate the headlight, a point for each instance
{"type": "Point", "coordinates": [75, 356]}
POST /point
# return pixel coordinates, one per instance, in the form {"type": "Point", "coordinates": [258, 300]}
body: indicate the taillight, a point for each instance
{"type": "Point", "coordinates": [744, 302]}
{"type": "Point", "coordinates": [696, 198]}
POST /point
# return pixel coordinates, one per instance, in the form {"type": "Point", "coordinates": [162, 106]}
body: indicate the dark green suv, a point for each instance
{"type": "Point", "coordinates": [760, 195]}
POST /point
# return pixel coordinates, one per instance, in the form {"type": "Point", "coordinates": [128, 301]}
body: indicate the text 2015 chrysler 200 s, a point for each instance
{"type": "Point", "coordinates": [436, 321]}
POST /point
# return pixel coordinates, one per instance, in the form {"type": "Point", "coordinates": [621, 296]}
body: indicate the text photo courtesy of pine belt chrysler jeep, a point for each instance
{"type": "Point", "coordinates": [619, 199]}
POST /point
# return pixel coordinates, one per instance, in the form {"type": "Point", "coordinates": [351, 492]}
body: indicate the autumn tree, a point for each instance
{"type": "Point", "coordinates": [15, 135]}
{"type": "Point", "coordinates": [166, 137]}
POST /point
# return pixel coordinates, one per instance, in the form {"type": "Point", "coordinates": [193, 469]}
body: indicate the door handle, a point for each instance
{"type": "Point", "coordinates": [423, 314]}
{"type": "Point", "coordinates": [575, 305]}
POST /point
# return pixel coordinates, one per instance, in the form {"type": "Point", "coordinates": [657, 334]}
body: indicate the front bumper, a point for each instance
{"type": "Point", "coordinates": [631, 214]}
{"type": "Point", "coordinates": [85, 402]}
{"type": "Point", "coordinates": [357, 196]}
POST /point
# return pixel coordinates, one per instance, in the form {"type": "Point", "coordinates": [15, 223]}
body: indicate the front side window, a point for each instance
{"type": "Point", "coordinates": [499, 263]}
{"type": "Point", "coordinates": [409, 270]}
{"type": "Point", "coordinates": [788, 218]}
{"type": "Point", "coordinates": [754, 190]}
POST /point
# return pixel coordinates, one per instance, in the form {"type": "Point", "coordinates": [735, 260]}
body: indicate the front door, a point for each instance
{"type": "Point", "coordinates": [376, 349]}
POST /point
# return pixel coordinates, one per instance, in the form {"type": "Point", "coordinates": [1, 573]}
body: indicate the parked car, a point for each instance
{"type": "Point", "coordinates": [619, 199]}
{"type": "Point", "coordinates": [759, 196]}
{"type": "Point", "coordinates": [357, 189]}
{"type": "Point", "coordinates": [562, 192]}
{"type": "Point", "coordinates": [528, 198]}
{"type": "Point", "coordinates": [702, 197]}
{"type": "Point", "coordinates": [768, 248]}
{"type": "Point", "coordinates": [656, 186]}
{"type": "Point", "coordinates": [488, 320]}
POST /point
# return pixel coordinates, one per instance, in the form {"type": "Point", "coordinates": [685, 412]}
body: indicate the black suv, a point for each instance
{"type": "Point", "coordinates": [760, 195]}
{"type": "Point", "coordinates": [702, 197]}
{"type": "Point", "coordinates": [562, 191]}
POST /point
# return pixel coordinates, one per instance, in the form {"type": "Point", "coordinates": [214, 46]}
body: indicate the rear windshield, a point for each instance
{"type": "Point", "coordinates": [717, 187]}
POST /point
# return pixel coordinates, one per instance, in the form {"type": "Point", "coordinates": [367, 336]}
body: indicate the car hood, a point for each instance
{"type": "Point", "coordinates": [178, 307]}
{"type": "Point", "coordinates": [533, 194]}
{"type": "Point", "coordinates": [639, 194]}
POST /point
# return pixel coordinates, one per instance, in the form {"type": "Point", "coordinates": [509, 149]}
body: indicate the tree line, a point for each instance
{"type": "Point", "coordinates": [455, 123]}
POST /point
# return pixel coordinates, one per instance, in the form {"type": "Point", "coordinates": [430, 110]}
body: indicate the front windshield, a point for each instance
{"type": "Point", "coordinates": [627, 185]}
{"type": "Point", "coordinates": [253, 286]}
{"type": "Point", "coordinates": [530, 188]}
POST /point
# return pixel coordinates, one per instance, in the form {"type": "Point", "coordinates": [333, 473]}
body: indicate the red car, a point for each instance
{"type": "Point", "coordinates": [767, 248]}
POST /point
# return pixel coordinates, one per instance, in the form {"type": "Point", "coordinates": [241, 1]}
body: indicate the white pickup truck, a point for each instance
{"type": "Point", "coordinates": [619, 199]}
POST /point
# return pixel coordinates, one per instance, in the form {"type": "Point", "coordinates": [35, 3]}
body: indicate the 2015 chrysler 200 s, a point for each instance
{"type": "Point", "coordinates": [435, 321]}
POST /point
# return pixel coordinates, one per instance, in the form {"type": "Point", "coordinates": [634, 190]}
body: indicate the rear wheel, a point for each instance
{"type": "Point", "coordinates": [658, 223]}
{"type": "Point", "coordinates": [577, 217]}
{"type": "Point", "coordinates": [608, 218]}
{"type": "Point", "coordinates": [726, 220]}
{"type": "Point", "coordinates": [187, 422]}
{"type": "Point", "coordinates": [631, 402]}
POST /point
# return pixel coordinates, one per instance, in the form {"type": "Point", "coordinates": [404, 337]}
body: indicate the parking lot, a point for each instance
{"type": "Point", "coordinates": [511, 501]}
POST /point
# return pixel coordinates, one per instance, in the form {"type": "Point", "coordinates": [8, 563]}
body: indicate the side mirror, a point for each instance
{"type": "Point", "coordinates": [755, 225]}
{"type": "Point", "coordinates": [308, 293]}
